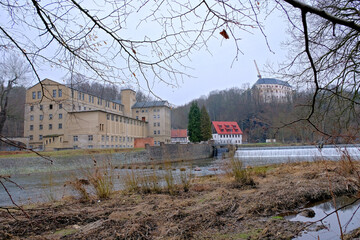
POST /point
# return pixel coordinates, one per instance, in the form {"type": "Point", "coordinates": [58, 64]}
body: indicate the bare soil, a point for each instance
{"type": "Point", "coordinates": [213, 208]}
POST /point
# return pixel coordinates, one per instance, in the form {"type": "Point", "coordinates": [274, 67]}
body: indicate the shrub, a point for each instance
{"type": "Point", "coordinates": [242, 176]}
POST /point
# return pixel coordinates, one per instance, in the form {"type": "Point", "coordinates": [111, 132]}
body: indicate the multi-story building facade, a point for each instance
{"type": "Point", "coordinates": [272, 90]}
{"type": "Point", "coordinates": [59, 117]}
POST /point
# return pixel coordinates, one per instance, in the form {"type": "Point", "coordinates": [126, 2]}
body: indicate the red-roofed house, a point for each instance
{"type": "Point", "coordinates": [227, 133]}
{"type": "Point", "coordinates": [179, 136]}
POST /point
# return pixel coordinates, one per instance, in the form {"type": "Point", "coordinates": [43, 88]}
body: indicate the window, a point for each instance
{"type": "Point", "coordinates": [41, 107]}
{"type": "Point", "coordinates": [112, 117]}
{"type": "Point", "coordinates": [112, 138]}
{"type": "Point", "coordinates": [31, 117]}
{"type": "Point", "coordinates": [158, 116]}
{"type": "Point", "coordinates": [158, 131]}
{"type": "Point", "coordinates": [50, 116]}
{"type": "Point", "coordinates": [154, 116]}
{"type": "Point", "coordinates": [40, 137]}
{"type": "Point", "coordinates": [31, 127]}
{"type": "Point", "coordinates": [54, 93]}
{"type": "Point", "coordinates": [107, 138]}
{"type": "Point", "coordinates": [158, 124]}
{"type": "Point", "coordinates": [117, 118]}
{"type": "Point", "coordinates": [50, 126]}
{"type": "Point", "coordinates": [90, 146]}
{"type": "Point", "coordinates": [83, 96]}
{"type": "Point", "coordinates": [33, 95]}
{"type": "Point", "coordinates": [75, 138]}
{"type": "Point", "coordinates": [40, 127]}
{"type": "Point", "coordinates": [116, 138]}
{"type": "Point", "coordinates": [41, 117]}
{"type": "Point", "coordinates": [32, 108]}
{"type": "Point", "coordinates": [101, 127]}
{"type": "Point", "coordinates": [31, 137]}
{"type": "Point", "coordinates": [154, 124]}
{"type": "Point", "coordinates": [50, 106]}
{"type": "Point", "coordinates": [90, 137]}
{"type": "Point", "coordinates": [60, 92]}
{"type": "Point", "coordinates": [89, 98]}
{"type": "Point", "coordinates": [39, 94]}
{"type": "Point", "coordinates": [137, 111]}
{"type": "Point", "coordinates": [108, 116]}
{"type": "Point", "coordinates": [60, 106]}
{"type": "Point", "coordinates": [102, 138]}
{"type": "Point", "coordinates": [60, 116]}
{"type": "Point", "coordinates": [155, 132]}
{"type": "Point", "coordinates": [60, 125]}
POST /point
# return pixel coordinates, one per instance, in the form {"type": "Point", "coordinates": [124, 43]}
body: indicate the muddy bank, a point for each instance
{"type": "Point", "coordinates": [213, 208]}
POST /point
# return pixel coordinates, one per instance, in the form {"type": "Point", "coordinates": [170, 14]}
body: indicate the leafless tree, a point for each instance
{"type": "Point", "coordinates": [132, 41]}
{"type": "Point", "coordinates": [13, 72]}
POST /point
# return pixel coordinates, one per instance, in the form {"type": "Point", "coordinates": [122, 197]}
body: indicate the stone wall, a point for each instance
{"type": "Point", "coordinates": [177, 152]}
{"type": "Point", "coordinates": [152, 154]}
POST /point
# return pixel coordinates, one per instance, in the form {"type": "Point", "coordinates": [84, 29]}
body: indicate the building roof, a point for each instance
{"type": "Point", "coordinates": [272, 81]}
{"type": "Point", "coordinates": [179, 133]}
{"type": "Point", "coordinates": [150, 104]}
{"type": "Point", "coordinates": [226, 127]}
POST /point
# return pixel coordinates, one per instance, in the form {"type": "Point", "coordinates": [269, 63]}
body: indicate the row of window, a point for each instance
{"type": "Point", "coordinates": [230, 136]}
{"type": "Point", "coordinates": [55, 93]}
{"type": "Point", "coordinates": [121, 119]}
{"type": "Point", "coordinates": [158, 132]}
{"type": "Point", "coordinates": [41, 127]}
{"type": "Point", "coordinates": [51, 106]}
{"type": "Point", "coordinates": [41, 117]}
{"type": "Point", "coordinates": [145, 110]}
{"type": "Point", "coordinates": [156, 124]}
{"type": "Point", "coordinates": [108, 138]}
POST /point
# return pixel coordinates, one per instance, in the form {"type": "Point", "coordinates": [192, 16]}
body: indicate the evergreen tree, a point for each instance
{"type": "Point", "coordinates": [205, 125]}
{"type": "Point", "coordinates": [194, 123]}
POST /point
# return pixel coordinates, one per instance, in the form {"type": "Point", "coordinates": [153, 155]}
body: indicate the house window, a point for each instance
{"type": "Point", "coordinates": [90, 137]}
{"type": "Point", "coordinates": [41, 107]}
{"type": "Point", "coordinates": [50, 126]}
{"type": "Point", "coordinates": [40, 127]}
{"type": "Point", "coordinates": [33, 95]}
{"type": "Point", "coordinates": [50, 106]}
{"type": "Point", "coordinates": [60, 106]}
{"type": "Point", "coordinates": [41, 117]}
{"type": "Point", "coordinates": [112, 117]}
{"type": "Point", "coordinates": [39, 94]}
{"type": "Point", "coordinates": [31, 108]}
{"type": "Point", "coordinates": [107, 138]}
{"type": "Point", "coordinates": [75, 138]}
{"type": "Point", "coordinates": [31, 137]}
{"type": "Point", "coordinates": [31, 127]}
{"type": "Point", "coordinates": [40, 137]}
{"type": "Point", "coordinates": [102, 138]}
{"type": "Point", "coordinates": [50, 116]}
{"type": "Point", "coordinates": [158, 116]}
{"type": "Point", "coordinates": [60, 92]}
{"type": "Point", "coordinates": [158, 124]}
{"type": "Point", "coordinates": [154, 116]}
{"type": "Point", "coordinates": [108, 116]}
{"type": "Point", "coordinates": [158, 131]}
{"type": "Point", "coordinates": [60, 125]}
{"type": "Point", "coordinates": [154, 124]}
{"type": "Point", "coordinates": [31, 117]}
{"type": "Point", "coordinates": [90, 146]}
{"type": "Point", "coordinates": [112, 138]}
{"type": "Point", "coordinates": [60, 116]}
{"type": "Point", "coordinates": [54, 93]}
{"type": "Point", "coordinates": [155, 132]}
{"type": "Point", "coordinates": [117, 118]}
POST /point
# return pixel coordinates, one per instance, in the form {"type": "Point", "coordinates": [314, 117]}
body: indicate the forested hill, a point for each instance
{"type": "Point", "coordinates": [259, 121]}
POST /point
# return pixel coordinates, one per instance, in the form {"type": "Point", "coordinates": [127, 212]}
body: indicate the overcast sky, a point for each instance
{"type": "Point", "coordinates": [217, 70]}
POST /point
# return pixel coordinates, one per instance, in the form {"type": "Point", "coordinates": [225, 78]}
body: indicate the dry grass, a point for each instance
{"type": "Point", "coordinates": [241, 175]}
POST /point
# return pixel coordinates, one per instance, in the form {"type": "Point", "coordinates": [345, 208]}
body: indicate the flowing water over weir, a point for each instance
{"type": "Point", "coordinates": [276, 155]}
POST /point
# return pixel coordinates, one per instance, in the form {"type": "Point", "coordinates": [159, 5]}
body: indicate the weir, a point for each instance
{"type": "Point", "coordinates": [275, 155]}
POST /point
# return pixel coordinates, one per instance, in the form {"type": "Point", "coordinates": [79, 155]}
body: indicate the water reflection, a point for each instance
{"type": "Point", "coordinates": [349, 218]}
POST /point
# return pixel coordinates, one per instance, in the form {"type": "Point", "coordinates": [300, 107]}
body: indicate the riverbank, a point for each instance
{"type": "Point", "coordinates": [213, 208]}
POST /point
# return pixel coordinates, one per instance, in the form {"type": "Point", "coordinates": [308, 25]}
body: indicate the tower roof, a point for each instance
{"type": "Point", "coordinates": [272, 81]}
